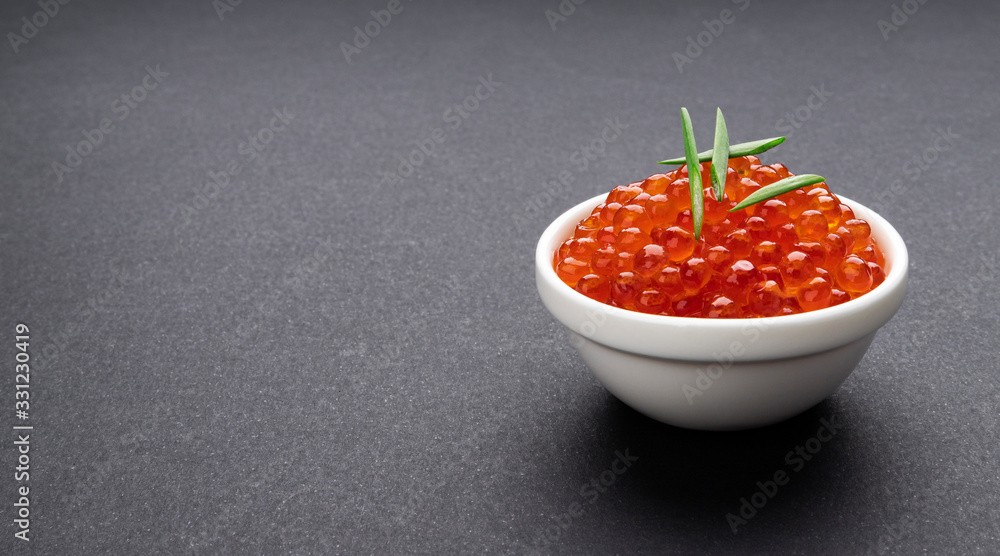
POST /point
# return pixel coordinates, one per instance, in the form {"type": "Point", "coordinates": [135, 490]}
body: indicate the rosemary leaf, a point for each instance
{"type": "Point", "coordinates": [720, 155]}
{"type": "Point", "coordinates": [777, 188]}
{"type": "Point", "coordinates": [694, 174]}
{"type": "Point", "coordinates": [741, 149]}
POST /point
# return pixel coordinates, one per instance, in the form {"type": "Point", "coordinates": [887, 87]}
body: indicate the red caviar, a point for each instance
{"type": "Point", "coordinates": [800, 251]}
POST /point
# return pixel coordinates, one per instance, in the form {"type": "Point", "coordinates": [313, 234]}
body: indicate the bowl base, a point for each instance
{"type": "Point", "coordinates": [722, 394]}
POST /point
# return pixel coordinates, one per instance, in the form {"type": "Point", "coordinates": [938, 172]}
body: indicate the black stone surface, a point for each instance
{"type": "Point", "coordinates": [315, 359]}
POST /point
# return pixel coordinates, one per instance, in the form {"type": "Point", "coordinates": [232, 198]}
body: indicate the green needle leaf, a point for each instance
{"type": "Point", "coordinates": [720, 155]}
{"type": "Point", "coordinates": [741, 149]}
{"type": "Point", "coordinates": [777, 188]}
{"type": "Point", "coordinates": [694, 173]}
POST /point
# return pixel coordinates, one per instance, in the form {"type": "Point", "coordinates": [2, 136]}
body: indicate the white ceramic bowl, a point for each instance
{"type": "Point", "coordinates": [721, 374]}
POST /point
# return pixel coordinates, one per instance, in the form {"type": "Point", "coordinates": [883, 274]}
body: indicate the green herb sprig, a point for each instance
{"type": "Point", "coordinates": [741, 149]}
{"type": "Point", "coordinates": [720, 156]}
{"type": "Point", "coordinates": [694, 173]}
{"type": "Point", "coordinates": [777, 188]}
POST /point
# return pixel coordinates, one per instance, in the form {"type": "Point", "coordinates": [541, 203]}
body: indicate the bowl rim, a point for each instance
{"type": "Point", "coordinates": [864, 314]}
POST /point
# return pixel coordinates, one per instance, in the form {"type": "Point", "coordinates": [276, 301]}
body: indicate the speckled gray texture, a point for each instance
{"type": "Point", "coordinates": [316, 357]}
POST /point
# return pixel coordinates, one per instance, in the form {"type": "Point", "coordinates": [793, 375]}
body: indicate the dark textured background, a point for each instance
{"type": "Point", "coordinates": [317, 360]}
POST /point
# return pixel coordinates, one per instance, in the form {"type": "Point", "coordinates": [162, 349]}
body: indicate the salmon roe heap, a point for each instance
{"type": "Point", "coordinates": [800, 251]}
